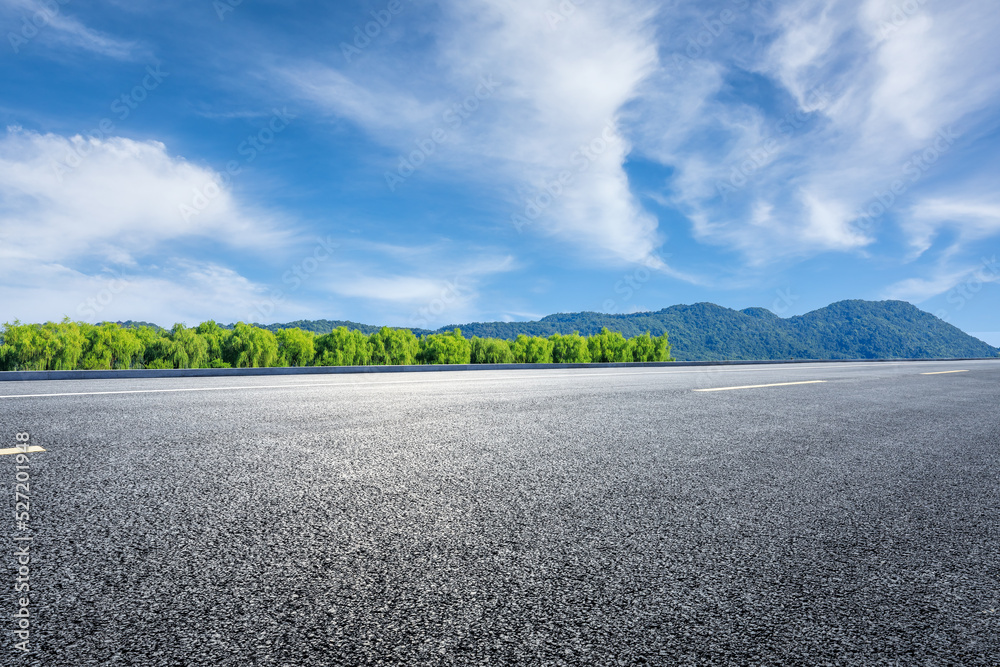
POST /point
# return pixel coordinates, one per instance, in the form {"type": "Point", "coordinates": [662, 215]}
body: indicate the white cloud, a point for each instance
{"type": "Point", "coordinates": [110, 199]}
{"type": "Point", "coordinates": [119, 206]}
{"type": "Point", "coordinates": [417, 295]}
{"type": "Point", "coordinates": [181, 291]}
{"type": "Point", "coordinates": [50, 21]}
{"type": "Point", "coordinates": [918, 290]}
{"type": "Point", "coordinates": [559, 88]}
{"type": "Point", "coordinates": [869, 89]}
{"type": "Point", "coordinates": [943, 278]}
{"type": "Point", "coordinates": [971, 219]}
{"type": "Point", "coordinates": [375, 105]}
{"type": "Point", "coordinates": [406, 289]}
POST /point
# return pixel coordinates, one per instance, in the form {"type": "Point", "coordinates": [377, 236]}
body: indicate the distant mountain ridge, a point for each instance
{"type": "Point", "coordinates": [706, 332]}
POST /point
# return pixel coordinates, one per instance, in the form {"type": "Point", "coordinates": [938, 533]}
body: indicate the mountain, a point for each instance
{"type": "Point", "coordinates": [704, 331]}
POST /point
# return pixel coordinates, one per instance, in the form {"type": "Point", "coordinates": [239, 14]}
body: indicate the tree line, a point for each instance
{"type": "Point", "coordinates": [71, 345]}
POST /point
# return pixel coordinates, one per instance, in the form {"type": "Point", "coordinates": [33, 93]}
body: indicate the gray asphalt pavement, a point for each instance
{"type": "Point", "coordinates": [566, 517]}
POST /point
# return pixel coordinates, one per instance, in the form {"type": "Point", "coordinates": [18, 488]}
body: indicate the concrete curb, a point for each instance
{"type": "Point", "coordinates": [22, 376]}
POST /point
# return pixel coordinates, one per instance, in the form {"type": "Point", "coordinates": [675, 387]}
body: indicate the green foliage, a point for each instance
{"type": "Point", "coordinates": [76, 345]}
{"type": "Point", "coordinates": [609, 347]}
{"type": "Point", "coordinates": [65, 345]}
{"type": "Point", "coordinates": [159, 350]}
{"type": "Point", "coordinates": [648, 348]}
{"type": "Point", "coordinates": [250, 347]}
{"type": "Point", "coordinates": [446, 348]}
{"type": "Point", "coordinates": [295, 347]}
{"type": "Point", "coordinates": [571, 349]}
{"type": "Point", "coordinates": [215, 337]}
{"type": "Point", "coordinates": [532, 350]}
{"type": "Point", "coordinates": [191, 349]}
{"type": "Point", "coordinates": [342, 347]}
{"type": "Point", "coordinates": [109, 347]}
{"type": "Point", "coordinates": [490, 351]}
{"type": "Point", "coordinates": [36, 347]}
{"type": "Point", "coordinates": [394, 347]}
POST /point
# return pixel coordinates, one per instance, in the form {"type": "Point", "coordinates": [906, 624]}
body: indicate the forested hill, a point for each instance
{"type": "Point", "coordinates": [704, 331]}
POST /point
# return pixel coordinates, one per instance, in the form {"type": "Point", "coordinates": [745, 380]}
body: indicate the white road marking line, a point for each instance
{"type": "Point", "coordinates": [943, 372]}
{"type": "Point", "coordinates": [14, 450]}
{"type": "Point", "coordinates": [758, 386]}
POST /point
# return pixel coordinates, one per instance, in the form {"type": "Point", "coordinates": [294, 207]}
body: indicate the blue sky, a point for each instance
{"type": "Point", "coordinates": [422, 163]}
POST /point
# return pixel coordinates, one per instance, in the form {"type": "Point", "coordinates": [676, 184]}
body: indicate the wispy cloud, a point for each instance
{"type": "Point", "coordinates": [53, 21]}
{"type": "Point", "coordinates": [431, 287]}
{"type": "Point", "coordinates": [862, 100]}
{"type": "Point", "coordinates": [971, 219]}
{"type": "Point", "coordinates": [556, 91]}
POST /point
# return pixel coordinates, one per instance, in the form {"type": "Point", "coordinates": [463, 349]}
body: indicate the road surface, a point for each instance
{"type": "Point", "coordinates": [840, 514]}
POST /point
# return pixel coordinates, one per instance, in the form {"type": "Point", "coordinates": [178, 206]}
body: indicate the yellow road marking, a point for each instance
{"type": "Point", "coordinates": [758, 386]}
{"type": "Point", "coordinates": [14, 450]}
{"type": "Point", "coordinates": [943, 372]}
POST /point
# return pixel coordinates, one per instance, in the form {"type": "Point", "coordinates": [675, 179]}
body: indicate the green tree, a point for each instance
{"type": "Point", "coordinates": [490, 351]}
{"type": "Point", "coordinates": [158, 350]}
{"type": "Point", "coordinates": [250, 347]}
{"type": "Point", "coordinates": [295, 347]}
{"type": "Point", "coordinates": [64, 345]}
{"type": "Point", "coordinates": [648, 348]}
{"type": "Point", "coordinates": [109, 347]}
{"type": "Point", "coordinates": [608, 347]}
{"type": "Point", "coordinates": [216, 337]}
{"type": "Point", "coordinates": [571, 349]}
{"type": "Point", "coordinates": [532, 350]}
{"type": "Point", "coordinates": [445, 348]}
{"type": "Point", "coordinates": [191, 349]}
{"type": "Point", "coordinates": [642, 348]}
{"type": "Point", "coordinates": [394, 347]}
{"type": "Point", "coordinates": [179, 348]}
{"type": "Point", "coordinates": [343, 347]}
{"type": "Point", "coordinates": [23, 348]}
{"type": "Point", "coordinates": [49, 346]}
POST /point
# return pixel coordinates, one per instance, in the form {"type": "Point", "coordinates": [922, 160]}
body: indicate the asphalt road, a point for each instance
{"type": "Point", "coordinates": [584, 517]}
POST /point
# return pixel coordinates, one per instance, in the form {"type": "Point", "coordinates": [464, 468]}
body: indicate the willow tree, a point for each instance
{"type": "Point", "coordinates": [608, 347]}
{"type": "Point", "coordinates": [648, 348]}
{"type": "Point", "coordinates": [445, 348]}
{"type": "Point", "coordinates": [343, 347]}
{"type": "Point", "coordinates": [251, 347]}
{"type": "Point", "coordinates": [110, 347]}
{"type": "Point", "coordinates": [295, 347]}
{"type": "Point", "coordinates": [532, 350]}
{"type": "Point", "coordinates": [216, 337]}
{"type": "Point", "coordinates": [571, 349]}
{"type": "Point", "coordinates": [394, 347]}
{"type": "Point", "coordinates": [490, 351]}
